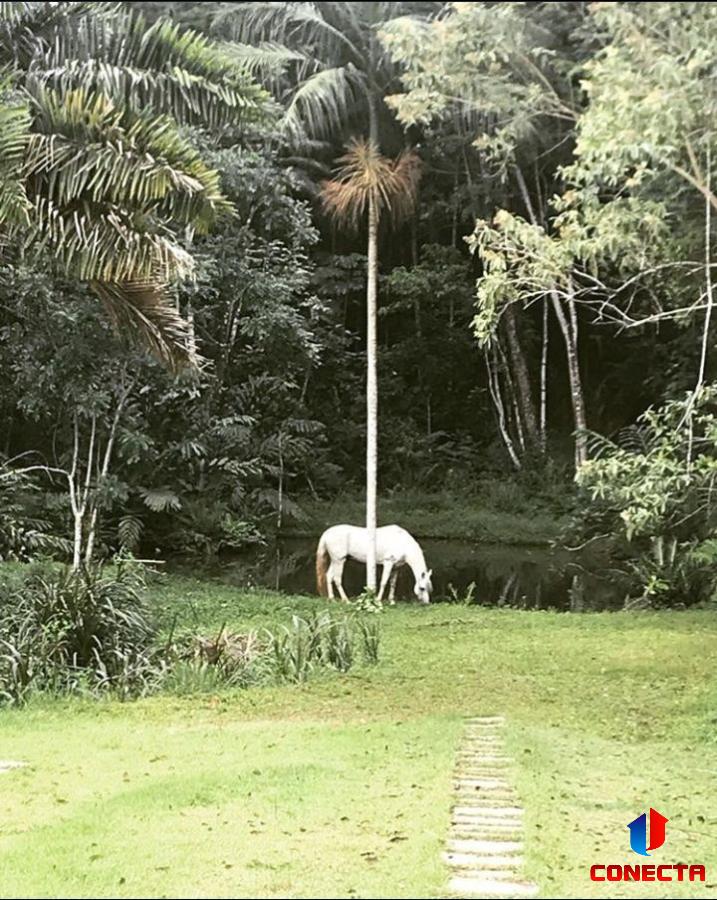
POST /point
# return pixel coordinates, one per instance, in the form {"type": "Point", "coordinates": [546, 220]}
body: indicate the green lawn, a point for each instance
{"type": "Point", "coordinates": [341, 787]}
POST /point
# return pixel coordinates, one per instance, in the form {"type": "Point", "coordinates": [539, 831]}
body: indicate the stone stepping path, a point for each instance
{"type": "Point", "coordinates": [484, 847]}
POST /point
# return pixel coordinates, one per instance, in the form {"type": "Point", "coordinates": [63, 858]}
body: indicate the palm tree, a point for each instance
{"type": "Point", "coordinates": [94, 172]}
{"type": "Point", "coordinates": [324, 61]}
{"type": "Point", "coordinates": [367, 185]}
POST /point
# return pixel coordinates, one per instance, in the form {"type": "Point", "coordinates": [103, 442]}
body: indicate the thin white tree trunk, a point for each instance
{"type": "Point", "coordinates": [371, 395]}
{"type": "Point", "coordinates": [102, 475]}
{"type": "Point", "coordinates": [79, 492]}
{"type": "Point", "coordinates": [709, 296]}
{"type": "Point", "coordinates": [513, 395]}
{"type": "Point", "coordinates": [522, 377]}
{"type": "Point", "coordinates": [494, 386]}
{"type": "Point", "coordinates": [569, 330]}
{"type": "Point", "coordinates": [544, 381]}
{"type": "Point", "coordinates": [525, 194]}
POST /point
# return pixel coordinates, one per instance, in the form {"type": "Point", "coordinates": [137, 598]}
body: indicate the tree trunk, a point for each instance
{"type": "Point", "coordinates": [371, 395]}
{"type": "Point", "coordinates": [570, 335]}
{"type": "Point", "coordinates": [522, 376]}
{"type": "Point", "coordinates": [102, 475]}
{"type": "Point", "coordinates": [77, 542]}
{"type": "Point", "coordinates": [494, 386]}
{"type": "Point", "coordinates": [544, 380]}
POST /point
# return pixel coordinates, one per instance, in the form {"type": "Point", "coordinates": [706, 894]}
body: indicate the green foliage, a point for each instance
{"type": "Point", "coordinates": [321, 639]}
{"type": "Point", "coordinates": [651, 90]}
{"type": "Point", "coordinates": [76, 632]}
{"type": "Point", "coordinates": [662, 483]}
{"type": "Point", "coordinates": [338, 643]}
{"type": "Point", "coordinates": [25, 531]}
{"type": "Point", "coordinates": [493, 66]}
{"type": "Point", "coordinates": [210, 664]}
{"type": "Point", "coordinates": [367, 602]}
{"type": "Point", "coordinates": [370, 631]}
{"type": "Point", "coordinates": [468, 597]}
{"type": "Point", "coordinates": [323, 60]}
{"type": "Point", "coordinates": [296, 648]}
{"type": "Point", "coordinates": [95, 171]}
{"type": "Point", "coordinates": [654, 489]}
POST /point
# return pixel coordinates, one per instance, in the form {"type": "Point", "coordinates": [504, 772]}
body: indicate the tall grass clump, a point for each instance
{"type": "Point", "coordinates": [76, 632]}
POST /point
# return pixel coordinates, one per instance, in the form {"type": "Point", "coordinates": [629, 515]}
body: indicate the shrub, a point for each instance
{"type": "Point", "coordinates": [652, 500]}
{"type": "Point", "coordinates": [322, 640]}
{"type": "Point", "coordinates": [205, 664]}
{"type": "Point", "coordinates": [339, 644]}
{"type": "Point", "coordinates": [71, 632]}
{"type": "Point", "coordinates": [370, 630]}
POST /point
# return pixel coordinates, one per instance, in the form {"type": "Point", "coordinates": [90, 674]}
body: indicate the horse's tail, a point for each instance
{"type": "Point", "coordinates": [322, 565]}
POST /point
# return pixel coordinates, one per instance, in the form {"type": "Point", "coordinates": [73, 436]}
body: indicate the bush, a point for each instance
{"type": "Point", "coordinates": [84, 632]}
{"type": "Point", "coordinates": [651, 500]}
{"type": "Point", "coordinates": [207, 664]}
{"type": "Point", "coordinates": [370, 630]}
{"type": "Point", "coordinates": [323, 640]}
{"type": "Point", "coordinates": [72, 632]}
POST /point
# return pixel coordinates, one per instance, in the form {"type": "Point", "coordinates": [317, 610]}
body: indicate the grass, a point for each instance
{"type": "Point", "coordinates": [341, 786]}
{"type": "Point", "coordinates": [497, 512]}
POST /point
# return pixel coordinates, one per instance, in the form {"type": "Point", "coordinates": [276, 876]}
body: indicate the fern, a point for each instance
{"type": "Point", "coordinates": [161, 499]}
{"type": "Point", "coordinates": [129, 532]}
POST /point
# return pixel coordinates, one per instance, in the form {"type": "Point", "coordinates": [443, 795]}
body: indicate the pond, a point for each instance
{"type": "Point", "coordinates": [488, 574]}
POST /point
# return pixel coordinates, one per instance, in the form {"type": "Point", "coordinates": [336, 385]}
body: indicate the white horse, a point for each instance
{"type": "Point", "coordinates": [395, 547]}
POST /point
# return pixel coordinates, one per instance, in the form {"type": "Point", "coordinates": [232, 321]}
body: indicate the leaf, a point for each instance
{"type": "Point", "coordinates": [160, 499]}
{"type": "Point", "coordinates": [129, 531]}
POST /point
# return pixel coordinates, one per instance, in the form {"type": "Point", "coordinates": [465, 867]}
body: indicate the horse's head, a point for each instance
{"type": "Point", "coordinates": [424, 587]}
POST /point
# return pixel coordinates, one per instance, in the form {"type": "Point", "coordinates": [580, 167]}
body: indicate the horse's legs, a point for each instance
{"type": "Point", "coordinates": [385, 574]}
{"type": "Point", "coordinates": [338, 567]}
{"type": "Point", "coordinates": [392, 587]}
{"type": "Point", "coordinates": [330, 580]}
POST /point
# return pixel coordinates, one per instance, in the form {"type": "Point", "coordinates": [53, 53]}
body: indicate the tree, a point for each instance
{"type": "Point", "coordinates": [365, 186]}
{"type": "Point", "coordinates": [500, 74]}
{"type": "Point", "coordinates": [324, 61]}
{"type": "Point", "coordinates": [649, 124]}
{"type": "Point", "coordinates": [94, 169]}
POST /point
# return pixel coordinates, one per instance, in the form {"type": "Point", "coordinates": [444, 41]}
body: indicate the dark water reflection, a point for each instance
{"type": "Point", "coordinates": [493, 575]}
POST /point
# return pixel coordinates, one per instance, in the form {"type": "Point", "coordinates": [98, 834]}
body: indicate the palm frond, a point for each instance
{"type": "Point", "coordinates": [161, 499]}
{"type": "Point", "coordinates": [287, 23]}
{"type": "Point", "coordinates": [14, 136]}
{"type": "Point", "coordinates": [365, 176]}
{"type": "Point", "coordinates": [144, 313]}
{"type": "Point", "coordinates": [93, 169]}
{"type": "Point", "coordinates": [129, 531]}
{"type": "Point", "coordinates": [266, 60]}
{"type": "Point", "coordinates": [162, 68]}
{"type": "Point", "coordinates": [322, 103]}
{"type": "Point", "coordinates": [87, 149]}
{"type": "Point", "coordinates": [14, 13]}
{"type": "Point", "coordinates": [104, 244]}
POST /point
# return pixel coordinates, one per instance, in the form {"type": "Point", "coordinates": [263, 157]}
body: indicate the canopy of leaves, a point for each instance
{"type": "Point", "coordinates": [94, 169]}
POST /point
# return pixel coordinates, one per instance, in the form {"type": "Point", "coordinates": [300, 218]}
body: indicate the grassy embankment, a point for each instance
{"type": "Point", "coordinates": [499, 512]}
{"type": "Point", "coordinates": [342, 786]}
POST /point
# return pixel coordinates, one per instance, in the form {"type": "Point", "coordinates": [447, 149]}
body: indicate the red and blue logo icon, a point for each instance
{"type": "Point", "coordinates": [647, 833]}
{"type": "Point", "coordinates": [638, 832]}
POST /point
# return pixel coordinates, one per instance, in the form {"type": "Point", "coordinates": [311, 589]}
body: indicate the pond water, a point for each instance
{"type": "Point", "coordinates": [490, 574]}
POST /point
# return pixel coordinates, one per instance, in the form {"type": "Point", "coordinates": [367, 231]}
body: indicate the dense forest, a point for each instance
{"type": "Point", "coordinates": [183, 279]}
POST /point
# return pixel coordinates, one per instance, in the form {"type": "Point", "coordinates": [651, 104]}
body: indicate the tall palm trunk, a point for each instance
{"type": "Point", "coordinates": [371, 395]}
{"type": "Point", "coordinates": [369, 181]}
